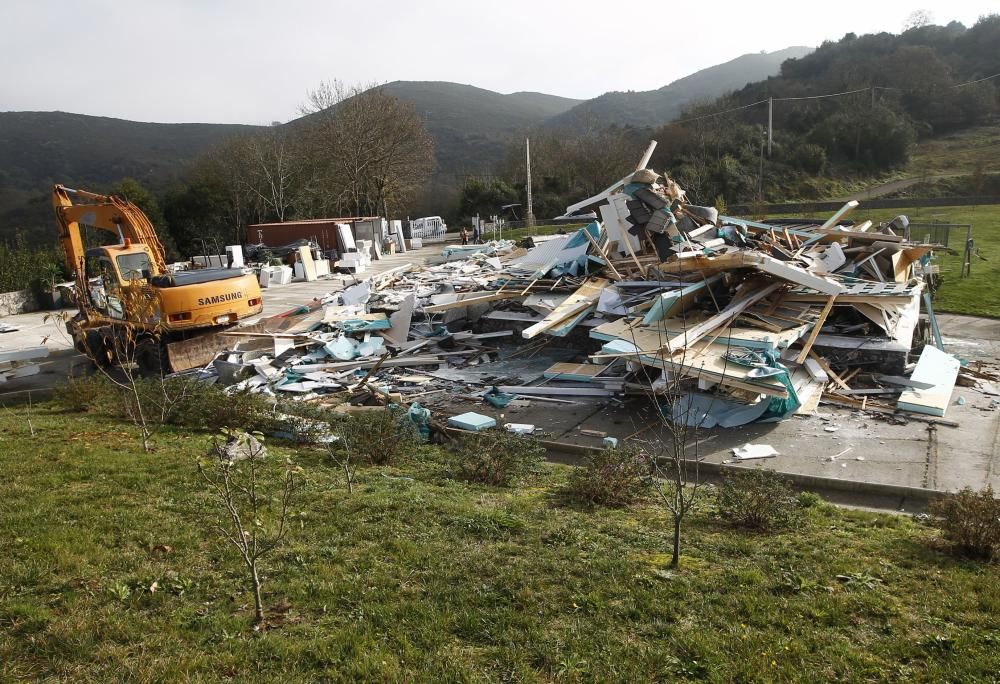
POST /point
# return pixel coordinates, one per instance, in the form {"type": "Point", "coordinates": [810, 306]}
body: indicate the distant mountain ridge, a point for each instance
{"type": "Point", "coordinates": [471, 127]}
{"type": "Point", "coordinates": [63, 147]}
{"type": "Point", "coordinates": [656, 107]}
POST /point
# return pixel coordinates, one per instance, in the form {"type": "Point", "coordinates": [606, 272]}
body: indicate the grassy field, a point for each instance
{"type": "Point", "coordinates": [959, 153]}
{"type": "Point", "coordinates": [417, 577]}
{"type": "Point", "coordinates": [518, 233]}
{"type": "Point", "coordinates": [978, 295]}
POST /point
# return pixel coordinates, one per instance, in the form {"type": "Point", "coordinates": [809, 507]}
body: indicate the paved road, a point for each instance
{"type": "Point", "coordinates": [890, 187]}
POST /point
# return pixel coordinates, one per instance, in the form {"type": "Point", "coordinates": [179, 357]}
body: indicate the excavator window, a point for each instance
{"type": "Point", "coordinates": [103, 286]}
{"type": "Point", "coordinates": [134, 266]}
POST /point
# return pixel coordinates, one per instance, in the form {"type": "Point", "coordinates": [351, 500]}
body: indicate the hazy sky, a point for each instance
{"type": "Point", "coordinates": [249, 61]}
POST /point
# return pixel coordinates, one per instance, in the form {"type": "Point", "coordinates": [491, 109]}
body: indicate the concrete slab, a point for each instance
{"type": "Point", "coordinates": [838, 443]}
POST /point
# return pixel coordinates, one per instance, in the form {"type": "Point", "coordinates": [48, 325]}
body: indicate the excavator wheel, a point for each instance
{"type": "Point", "coordinates": [151, 358]}
{"type": "Point", "coordinates": [100, 349]}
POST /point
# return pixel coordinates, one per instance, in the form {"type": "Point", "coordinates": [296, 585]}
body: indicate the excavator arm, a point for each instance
{"type": "Point", "coordinates": [103, 212]}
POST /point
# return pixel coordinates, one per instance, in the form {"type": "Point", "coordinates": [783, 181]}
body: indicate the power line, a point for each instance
{"type": "Point", "coordinates": [978, 80]}
{"type": "Point", "coordinates": [814, 97]}
{"type": "Point", "coordinates": [817, 97]}
{"type": "Point", "coordinates": [709, 116]}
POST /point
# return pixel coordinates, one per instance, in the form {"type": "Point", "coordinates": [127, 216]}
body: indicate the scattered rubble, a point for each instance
{"type": "Point", "coordinates": [726, 320]}
{"type": "Point", "coordinates": [21, 363]}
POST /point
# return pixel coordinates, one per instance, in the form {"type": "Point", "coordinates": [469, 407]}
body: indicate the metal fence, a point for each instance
{"type": "Point", "coordinates": [953, 235]}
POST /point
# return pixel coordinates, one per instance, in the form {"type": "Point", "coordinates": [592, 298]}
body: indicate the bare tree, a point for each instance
{"type": "Point", "coordinates": [255, 494]}
{"type": "Point", "coordinates": [229, 166]}
{"type": "Point", "coordinates": [341, 454]}
{"type": "Point", "coordinates": [673, 442]}
{"type": "Point", "coordinates": [370, 151]}
{"type": "Point", "coordinates": [918, 19]}
{"type": "Point", "coordinates": [274, 171]}
{"type": "Point", "coordinates": [674, 449]}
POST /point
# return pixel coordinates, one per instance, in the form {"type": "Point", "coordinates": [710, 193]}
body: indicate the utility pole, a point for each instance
{"type": "Point", "coordinates": [760, 173]}
{"type": "Point", "coordinates": [529, 217]}
{"type": "Point", "coordinates": [770, 124]}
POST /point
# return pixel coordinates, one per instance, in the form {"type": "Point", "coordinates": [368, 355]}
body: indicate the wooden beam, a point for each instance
{"type": "Point", "coordinates": [841, 213]}
{"type": "Point", "coordinates": [460, 303]}
{"type": "Point", "coordinates": [829, 371]}
{"type": "Point", "coordinates": [815, 331]}
{"type": "Point", "coordinates": [678, 343]}
{"type": "Point", "coordinates": [585, 297]}
{"type": "Point", "coordinates": [614, 272]}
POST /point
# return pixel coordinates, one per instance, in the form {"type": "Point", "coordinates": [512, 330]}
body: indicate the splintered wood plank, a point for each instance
{"type": "Point", "coordinates": [469, 299]}
{"type": "Point", "coordinates": [702, 360]}
{"type": "Point", "coordinates": [829, 371]}
{"type": "Point", "coordinates": [815, 331]}
{"type": "Point", "coordinates": [601, 253]}
{"type": "Point", "coordinates": [585, 297]}
{"type": "Point", "coordinates": [690, 336]}
{"type": "Point", "coordinates": [573, 371]}
{"type": "Point", "coordinates": [304, 322]}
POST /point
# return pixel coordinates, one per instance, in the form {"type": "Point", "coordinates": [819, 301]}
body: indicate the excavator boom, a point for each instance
{"type": "Point", "coordinates": [103, 212]}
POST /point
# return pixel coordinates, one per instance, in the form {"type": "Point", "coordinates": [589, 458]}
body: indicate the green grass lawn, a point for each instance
{"type": "Point", "coordinates": [978, 295]}
{"type": "Point", "coordinates": [417, 577]}
{"type": "Point", "coordinates": [519, 233]}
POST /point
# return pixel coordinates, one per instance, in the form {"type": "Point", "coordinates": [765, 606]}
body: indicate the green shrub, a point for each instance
{"type": "Point", "coordinates": [809, 500]}
{"type": "Point", "coordinates": [757, 499]}
{"type": "Point", "coordinates": [178, 401]}
{"type": "Point", "coordinates": [495, 457]}
{"type": "Point", "coordinates": [970, 522]}
{"type": "Point", "coordinates": [197, 404]}
{"type": "Point", "coordinates": [379, 437]}
{"type": "Point", "coordinates": [88, 393]}
{"type": "Point", "coordinates": [23, 266]}
{"type": "Point", "coordinates": [614, 478]}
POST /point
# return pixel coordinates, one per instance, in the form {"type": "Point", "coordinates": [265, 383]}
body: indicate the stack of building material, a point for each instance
{"type": "Point", "coordinates": [358, 260]}
{"type": "Point", "coordinates": [273, 276]}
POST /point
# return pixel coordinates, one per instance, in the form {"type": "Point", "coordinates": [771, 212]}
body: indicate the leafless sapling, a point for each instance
{"type": "Point", "coordinates": [255, 494]}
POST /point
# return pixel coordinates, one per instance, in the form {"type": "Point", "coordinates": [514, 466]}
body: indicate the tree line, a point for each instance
{"type": "Point", "coordinates": [356, 151]}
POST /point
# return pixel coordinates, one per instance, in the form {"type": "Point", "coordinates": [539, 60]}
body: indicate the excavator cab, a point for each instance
{"type": "Point", "coordinates": [108, 270]}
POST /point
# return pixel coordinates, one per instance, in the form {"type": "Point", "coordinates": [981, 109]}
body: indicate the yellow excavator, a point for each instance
{"type": "Point", "coordinates": [131, 308]}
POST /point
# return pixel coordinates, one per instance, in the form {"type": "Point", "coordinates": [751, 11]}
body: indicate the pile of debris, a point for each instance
{"type": "Point", "coordinates": [20, 363]}
{"type": "Point", "coordinates": [727, 320]}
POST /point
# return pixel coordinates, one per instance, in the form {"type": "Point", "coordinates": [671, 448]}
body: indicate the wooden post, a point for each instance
{"type": "Point", "coordinates": [604, 255]}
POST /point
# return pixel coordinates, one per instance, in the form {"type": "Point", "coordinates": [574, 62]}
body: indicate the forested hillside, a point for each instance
{"type": "Point", "coordinates": [844, 116]}
{"type": "Point", "coordinates": [890, 91]}
{"type": "Point", "coordinates": [38, 149]}
{"type": "Point", "coordinates": [470, 127]}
